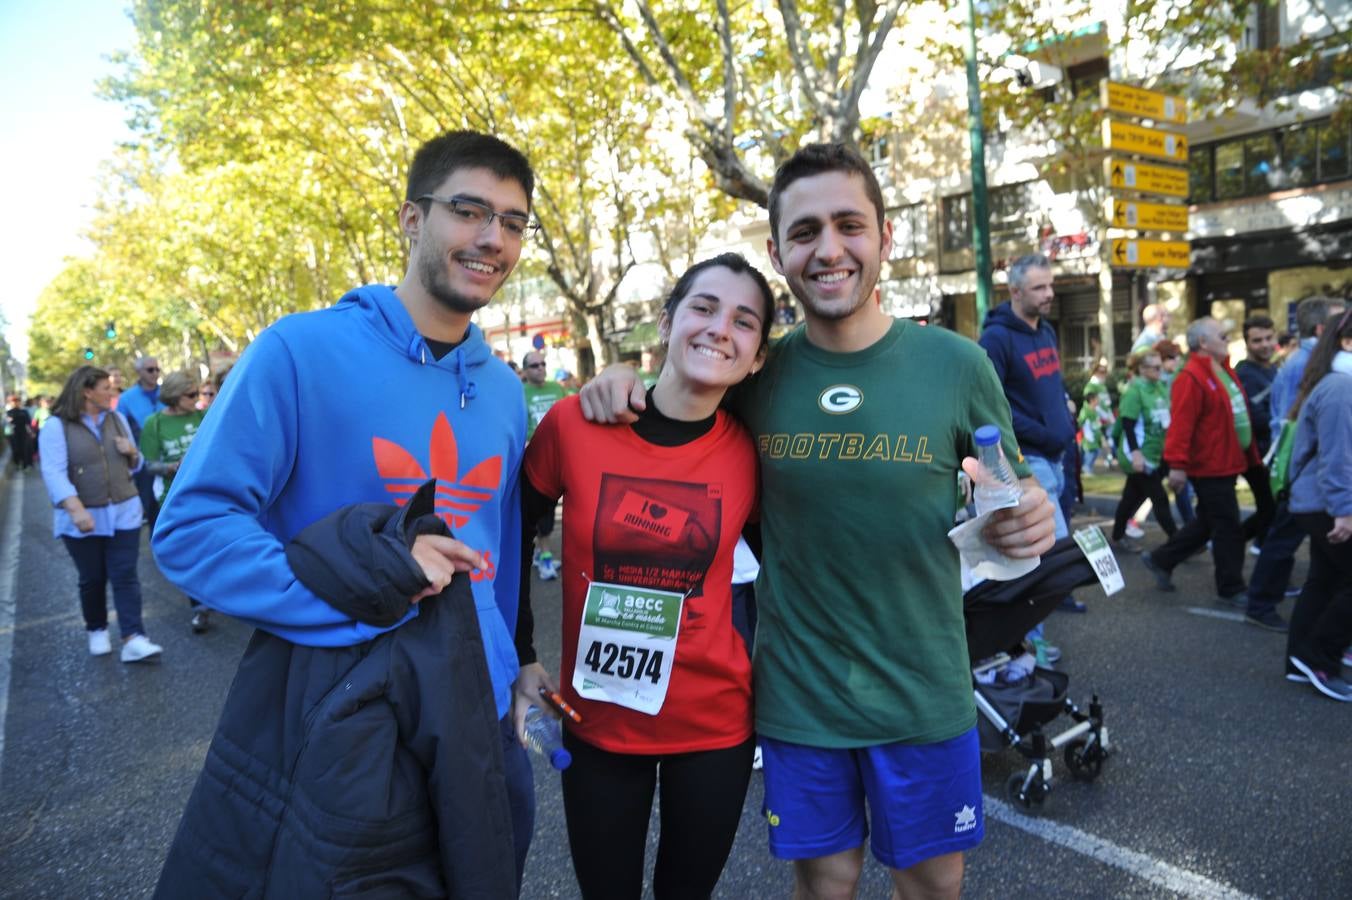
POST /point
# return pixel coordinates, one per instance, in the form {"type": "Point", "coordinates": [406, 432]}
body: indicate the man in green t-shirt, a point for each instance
{"type": "Point", "coordinates": [541, 393]}
{"type": "Point", "coordinates": [863, 686]}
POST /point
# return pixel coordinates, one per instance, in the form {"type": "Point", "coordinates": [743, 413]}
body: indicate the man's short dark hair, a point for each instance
{"type": "Point", "coordinates": [1258, 321]}
{"type": "Point", "coordinates": [1313, 312]}
{"type": "Point", "coordinates": [818, 159]}
{"type": "Point", "coordinates": [455, 150]}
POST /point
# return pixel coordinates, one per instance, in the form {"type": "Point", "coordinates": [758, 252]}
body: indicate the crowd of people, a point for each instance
{"type": "Point", "coordinates": [373, 740]}
{"type": "Point", "coordinates": [1196, 428]}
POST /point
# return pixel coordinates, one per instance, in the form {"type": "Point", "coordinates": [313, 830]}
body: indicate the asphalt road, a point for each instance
{"type": "Point", "coordinates": [1226, 780]}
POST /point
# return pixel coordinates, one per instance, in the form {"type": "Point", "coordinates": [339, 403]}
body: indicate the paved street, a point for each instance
{"type": "Point", "coordinates": [1226, 779]}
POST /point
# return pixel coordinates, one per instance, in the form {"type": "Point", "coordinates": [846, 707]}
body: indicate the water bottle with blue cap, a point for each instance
{"type": "Point", "coordinates": [997, 487]}
{"type": "Point", "coordinates": [544, 735]}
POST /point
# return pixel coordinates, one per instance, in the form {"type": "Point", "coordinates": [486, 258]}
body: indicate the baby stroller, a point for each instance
{"type": "Point", "coordinates": [1013, 713]}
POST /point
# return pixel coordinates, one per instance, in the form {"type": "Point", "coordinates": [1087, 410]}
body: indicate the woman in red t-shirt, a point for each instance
{"type": "Point", "coordinates": [651, 659]}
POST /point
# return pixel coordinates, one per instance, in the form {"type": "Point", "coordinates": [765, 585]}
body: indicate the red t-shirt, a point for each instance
{"type": "Point", "coordinates": [708, 489]}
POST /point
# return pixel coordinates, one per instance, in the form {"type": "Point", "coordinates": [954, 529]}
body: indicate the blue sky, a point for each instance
{"type": "Point", "coordinates": [55, 134]}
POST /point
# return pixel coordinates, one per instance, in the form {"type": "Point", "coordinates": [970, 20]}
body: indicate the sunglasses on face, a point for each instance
{"type": "Point", "coordinates": [535, 365]}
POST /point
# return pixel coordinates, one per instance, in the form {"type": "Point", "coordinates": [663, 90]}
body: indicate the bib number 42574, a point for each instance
{"type": "Point", "coordinates": [622, 661]}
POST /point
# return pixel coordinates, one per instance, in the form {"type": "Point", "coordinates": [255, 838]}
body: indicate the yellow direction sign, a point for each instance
{"type": "Point", "coordinates": [1134, 101]}
{"type": "Point", "coordinates": [1168, 145]}
{"type": "Point", "coordinates": [1147, 178]}
{"type": "Point", "coordinates": [1147, 216]}
{"type": "Point", "coordinates": [1148, 254]}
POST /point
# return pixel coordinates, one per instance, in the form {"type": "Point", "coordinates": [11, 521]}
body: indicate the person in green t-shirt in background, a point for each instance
{"type": "Point", "coordinates": [1143, 416]}
{"type": "Point", "coordinates": [862, 421]}
{"type": "Point", "coordinates": [165, 439]}
{"type": "Point", "coordinates": [1092, 434]}
{"type": "Point", "coordinates": [541, 394]}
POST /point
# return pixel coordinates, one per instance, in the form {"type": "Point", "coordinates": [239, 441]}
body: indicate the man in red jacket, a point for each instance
{"type": "Point", "coordinates": [1209, 443]}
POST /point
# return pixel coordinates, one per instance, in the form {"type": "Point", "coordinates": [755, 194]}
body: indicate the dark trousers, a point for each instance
{"type": "Point", "coordinates": [520, 793]}
{"type": "Point", "coordinates": [1321, 624]}
{"type": "Point", "coordinates": [1272, 572]}
{"type": "Point", "coordinates": [1141, 486]}
{"type": "Point", "coordinates": [1265, 508]}
{"type": "Point", "coordinates": [1183, 502]}
{"type": "Point", "coordinates": [144, 482]}
{"type": "Point", "coordinates": [608, 799]}
{"type": "Point", "coordinates": [99, 560]}
{"type": "Point", "coordinates": [1217, 521]}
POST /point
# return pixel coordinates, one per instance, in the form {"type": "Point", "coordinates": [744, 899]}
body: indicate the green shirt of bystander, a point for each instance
{"type": "Point", "coordinates": [539, 398]}
{"type": "Point", "coordinates": [1147, 402]}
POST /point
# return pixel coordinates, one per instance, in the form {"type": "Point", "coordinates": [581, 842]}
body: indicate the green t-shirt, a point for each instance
{"type": "Point", "coordinates": [539, 398]}
{"type": "Point", "coordinates": [1240, 409]}
{"type": "Point", "coordinates": [860, 639]}
{"type": "Point", "coordinates": [1090, 427]}
{"type": "Point", "coordinates": [166, 438]}
{"type": "Point", "coordinates": [1147, 402]}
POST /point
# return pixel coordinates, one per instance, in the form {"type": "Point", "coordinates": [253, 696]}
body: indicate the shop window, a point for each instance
{"type": "Point", "coordinates": [957, 215]}
{"type": "Point", "coordinates": [1260, 163]}
{"type": "Point", "coordinates": [1333, 152]}
{"type": "Point", "coordinates": [1229, 170]}
{"type": "Point", "coordinates": [910, 232]}
{"type": "Point", "coordinates": [1200, 188]}
{"type": "Point", "coordinates": [1300, 156]}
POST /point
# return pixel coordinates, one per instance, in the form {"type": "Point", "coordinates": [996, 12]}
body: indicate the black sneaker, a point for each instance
{"type": "Point", "coordinates": [1124, 545]}
{"type": "Point", "coordinates": [1238, 601]}
{"type": "Point", "coordinates": [1162, 579]}
{"type": "Point", "coordinates": [201, 620]}
{"type": "Point", "coordinates": [1270, 621]}
{"type": "Point", "coordinates": [1332, 686]}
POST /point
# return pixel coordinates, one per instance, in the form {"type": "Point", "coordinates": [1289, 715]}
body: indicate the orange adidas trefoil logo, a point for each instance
{"type": "Point", "coordinates": [458, 497]}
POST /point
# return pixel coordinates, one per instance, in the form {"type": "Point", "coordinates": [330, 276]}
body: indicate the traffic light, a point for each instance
{"type": "Point", "coordinates": [111, 331]}
{"type": "Point", "coordinates": [89, 353]}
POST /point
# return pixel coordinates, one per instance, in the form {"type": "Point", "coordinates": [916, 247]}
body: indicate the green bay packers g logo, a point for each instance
{"type": "Point", "coordinates": [840, 399]}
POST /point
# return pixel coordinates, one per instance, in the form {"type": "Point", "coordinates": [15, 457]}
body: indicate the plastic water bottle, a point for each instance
{"type": "Point", "coordinates": [544, 735]}
{"type": "Point", "coordinates": [996, 486]}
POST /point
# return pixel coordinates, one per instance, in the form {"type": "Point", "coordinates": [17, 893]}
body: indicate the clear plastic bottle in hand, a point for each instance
{"type": "Point", "coordinates": [544, 735]}
{"type": "Point", "coordinates": [996, 486]}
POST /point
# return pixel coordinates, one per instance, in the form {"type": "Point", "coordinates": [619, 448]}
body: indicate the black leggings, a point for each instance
{"type": "Point", "coordinates": [608, 799]}
{"type": "Point", "coordinates": [1138, 488]}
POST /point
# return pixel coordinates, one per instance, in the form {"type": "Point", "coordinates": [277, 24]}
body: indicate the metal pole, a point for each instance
{"type": "Point", "coordinates": [981, 237]}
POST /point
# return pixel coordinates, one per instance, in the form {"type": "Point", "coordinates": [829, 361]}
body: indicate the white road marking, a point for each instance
{"type": "Point", "coordinates": [1215, 613]}
{"type": "Point", "coordinates": [1141, 865]}
{"type": "Point", "coordinates": [9, 565]}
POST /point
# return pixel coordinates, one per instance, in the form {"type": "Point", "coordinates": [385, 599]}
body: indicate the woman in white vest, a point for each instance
{"type": "Point", "coordinates": [88, 457]}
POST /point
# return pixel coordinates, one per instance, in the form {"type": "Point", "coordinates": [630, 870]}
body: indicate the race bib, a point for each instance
{"type": "Point", "coordinates": [626, 646]}
{"type": "Point", "coordinates": [1095, 549]}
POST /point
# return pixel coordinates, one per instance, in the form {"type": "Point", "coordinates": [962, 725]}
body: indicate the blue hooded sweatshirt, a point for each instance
{"type": "Point", "coordinates": [335, 407]}
{"type": "Point", "coordinates": [1029, 367]}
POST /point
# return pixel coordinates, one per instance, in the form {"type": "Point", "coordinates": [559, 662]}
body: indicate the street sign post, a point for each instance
{"type": "Point", "coordinates": [1146, 178]}
{"type": "Point", "coordinates": [1141, 254]}
{"type": "Point", "coordinates": [1134, 101]}
{"type": "Point", "coordinates": [1146, 216]}
{"type": "Point", "coordinates": [1170, 145]}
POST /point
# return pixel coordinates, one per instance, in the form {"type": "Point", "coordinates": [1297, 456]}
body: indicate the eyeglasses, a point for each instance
{"type": "Point", "coordinates": [191, 395]}
{"type": "Point", "coordinates": [535, 365]}
{"type": "Point", "coordinates": [477, 214]}
{"type": "Point", "coordinates": [151, 369]}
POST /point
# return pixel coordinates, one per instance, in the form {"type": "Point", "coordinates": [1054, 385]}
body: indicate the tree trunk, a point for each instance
{"type": "Point", "coordinates": [602, 352]}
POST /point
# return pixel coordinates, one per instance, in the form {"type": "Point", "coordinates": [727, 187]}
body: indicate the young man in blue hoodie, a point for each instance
{"type": "Point", "coordinates": [292, 438]}
{"type": "Point", "coordinates": [1022, 346]}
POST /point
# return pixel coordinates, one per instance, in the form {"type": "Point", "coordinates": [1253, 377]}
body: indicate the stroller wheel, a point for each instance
{"type": "Point", "coordinates": [1085, 760]}
{"type": "Point", "coordinates": [1035, 793]}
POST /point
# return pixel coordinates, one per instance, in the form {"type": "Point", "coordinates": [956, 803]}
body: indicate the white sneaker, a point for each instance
{"type": "Point", "coordinates": [1255, 550]}
{"type": "Point", "coordinates": [140, 648]}
{"type": "Point", "coordinates": [1134, 530]}
{"type": "Point", "coordinates": [99, 644]}
{"type": "Point", "coordinates": [756, 762]}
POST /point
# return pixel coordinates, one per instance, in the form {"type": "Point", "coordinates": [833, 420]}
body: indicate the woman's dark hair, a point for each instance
{"type": "Point", "coordinates": [737, 264]}
{"type": "Point", "coordinates": [70, 402]}
{"type": "Point", "coordinates": [1166, 349]}
{"type": "Point", "coordinates": [1321, 359]}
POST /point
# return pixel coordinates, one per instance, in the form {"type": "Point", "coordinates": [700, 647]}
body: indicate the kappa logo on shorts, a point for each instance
{"type": "Point", "coordinates": [771, 818]}
{"type": "Point", "coordinates": [964, 819]}
{"type": "Point", "coordinates": [840, 399]}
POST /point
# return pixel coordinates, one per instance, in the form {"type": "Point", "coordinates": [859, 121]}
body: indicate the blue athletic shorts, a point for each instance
{"type": "Point", "coordinates": [923, 800]}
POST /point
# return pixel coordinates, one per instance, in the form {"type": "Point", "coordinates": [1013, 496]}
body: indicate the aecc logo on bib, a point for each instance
{"type": "Point", "coordinates": [840, 399]}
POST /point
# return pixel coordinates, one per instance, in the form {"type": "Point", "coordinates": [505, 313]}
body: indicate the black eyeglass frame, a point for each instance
{"type": "Point", "coordinates": [527, 228]}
